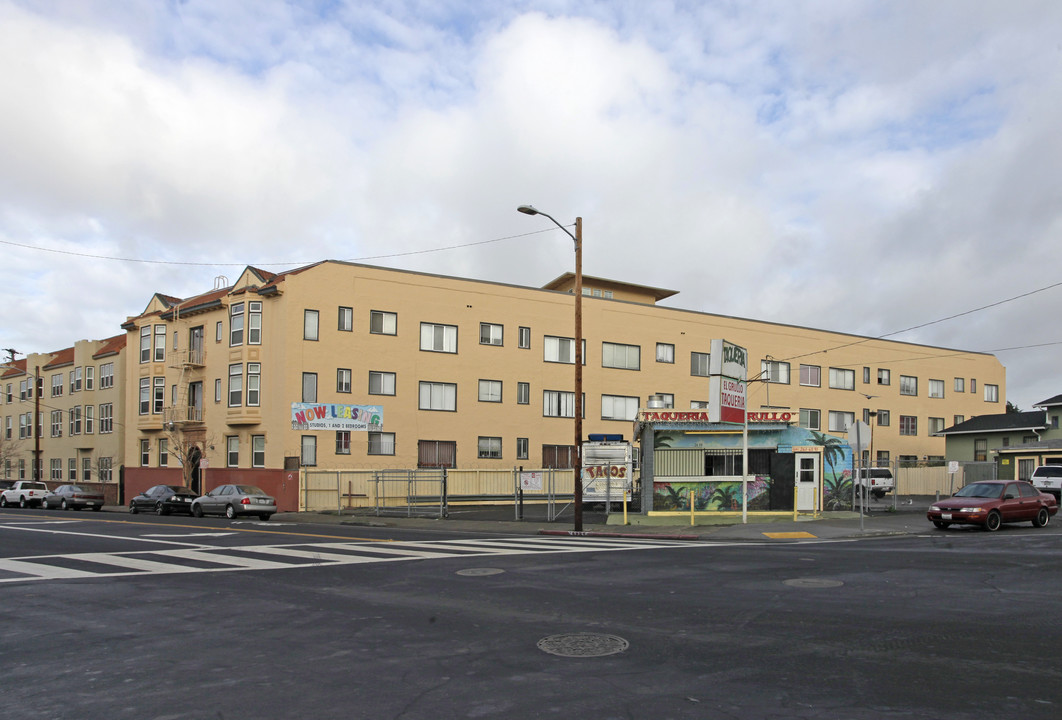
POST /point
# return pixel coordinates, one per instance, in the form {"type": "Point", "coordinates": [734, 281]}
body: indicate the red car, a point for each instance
{"type": "Point", "coordinates": [990, 503]}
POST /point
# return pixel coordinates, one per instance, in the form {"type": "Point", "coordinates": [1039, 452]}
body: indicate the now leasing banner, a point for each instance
{"type": "Point", "coordinates": [331, 416]}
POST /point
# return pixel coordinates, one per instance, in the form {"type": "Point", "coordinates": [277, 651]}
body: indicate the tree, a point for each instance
{"type": "Point", "coordinates": [187, 447]}
{"type": "Point", "coordinates": [10, 450]}
{"type": "Point", "coordinates": [1012, 408]}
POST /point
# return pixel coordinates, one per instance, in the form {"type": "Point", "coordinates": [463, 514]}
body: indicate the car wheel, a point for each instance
{"type": "Point", "coordinates": [993, 521]}
{"type": "Point", "coordinates": [159, 509]}
{"type": "Point", "coordinates": [265, 518]}
{"type": "Point", "coordinates": [941, 525]}
{"type": "Point", "coordinates": [97, 508]}
{"type": "Point", "coordinates": [230, 512]}
{"type": "Point", "coordinates": [22, 502]}
{"type": "Point", "coordinates": [878, 495]}
{"type": "Point", "coordinates": [1042, 518]}
{"type": "Point", "coordinates": [3, 502]}
{"type": "Point", "coordinates": [132, 508]}
{"type": "Point", "coordinates": [63, 505]}
{"type": "Point", "coordinates": [197, 511]}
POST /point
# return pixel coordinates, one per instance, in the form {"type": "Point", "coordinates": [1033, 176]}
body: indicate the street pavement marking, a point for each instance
{"type": "Point", "coordinates": [257, 557]}
{"type": "Point", "coordinates": [791, 536]}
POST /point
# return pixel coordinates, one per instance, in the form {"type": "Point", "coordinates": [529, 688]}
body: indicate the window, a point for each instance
{"type": "Point", "coordinates": [342, 442]}
{"type": "Point", "coordinates": [698, 404]}
{"type": "Point", "coordinates": [866, 376]}
{"type": "Point", "coordinates": [106, 418]}
{"type": "Point", "coordinates": [381, 383]}
{"type": "Point", "coordinates": [775, 372]}
{"type": "Point", "coordinates": [908, 385]}
{"type": "Point", "coordinates": [558, 403]}
{"type": "Point", "coordinates": [618, 407]}
{"type": "Point", "coordinates": [960, 385]}
{"type": "Point", "coordinates": [841, 421]}
{"type": "Point", "coordinates": [668, 399]}
{"type": "Point", "coordinates": [525, 338]}
{"type": "Point", "coordinates": [884, 377]}
{"type": "Point", "coordinates": [106, 464]}
{"type": "Point", "coordinates": [145, 396]}
{"type": "Point", "coordinates": [90, 371]}
{"type": "Point", "coordinates": [381, 443]}
{"type": "Point", "coordinates": [106, 375]}
{"type": "Point", "coordinates": [254, 323]}
{"type": "Point", "coordinates": [258, 451]}
{"type": "Point", "coordinates": [57, 385]}
{"type": "Point", "coordinates": [75, 420]}
{"type": "Point", "coordinates": [558, 349]}
{"type": "Point", "coordinates": [699, 364]}
{"type": "Point", "coordinates": [232, 451]}
{"type": "Point", "coordinates": [665, 353]}
{"type": "Point", "coordinates": [75, 379]}
{"type": "Point", "coordinates": [235, 385]}
{"type": "Point", "coordinates": [346, 319]}
{"type": "Point", "coordinates": [217, 390]}
{"type": "Point", "coordinates": [310, 324]}
{"type": "Point", "coordinates": [490, 391]}
{"type": "Point", "coordinates": [56, 466]}
{"type": "Point", "coordinates": [991, 393]}
{"type": "Point", "coordinates": [438, 396]}
{"type": "Point", "coordinates": [90, 411]}
{"type": "Point", "coordinates": [521, 448]}
{"type": "Point", "coordinates": [160, 343]}
{"type": "Point", "coordinates": [811, 375]}
{"type": "Point", "coordinates": [343, 380]}
{"type": "Point", "coordinates": [145, 344]}
{"type": "Point", "coordinates": [309, 387]}
{"type": "Point", "coordinates": [936, 424]}
{"type": "Point", "coordinates": [236, 324]}
{"type": "Point", "coordinates": [164, 452]}
{"type": "Point", "coordinates": [624, 357]}
{"type": "Point", "coordinates": [523, 393]}
{"type": "Point", "coordinates": [980, 450]}
{"type": "Point", "coordinates": [908, 425]}
{"type": "Point", "coordinates": [490, 334]}
{"type": "Point", "coordinates": [958, 420]}
{"type": "Point", "coordinates": [438, 338]}
{"type": "Point", "coordinates": [254, 384]}
{"type": "Point", "coordinates": [490, 447]}
{"type": "Point", "coordinates": [308, 455]}
{"type": "Point", "coordinates": [57, 423]}
{"type": "Point", "coordinates": [145, 453]}
{"type": "Point", "coordinates": [973, 385]}
{"type": "Point", "coordinates": [809, 419]}
{"type": "Point", "coordinates": [71, 470]}
{"type": "Point", "coordinates": [158, 400]}
{"type": "Point", "coordinates": [218, 332]}
{"type": "Point", "coordinates": [936, 388]}
{"type": "Point", "coordinates": [86, 469]}
{"type": "Point", "coordinates": [883, 418]}
{"type": "Point", "coordinates": [383, 323]}
{"type": "Point", "coordinates": [841, 379]}
{"type": "Point", "coordinates": [436, 453]}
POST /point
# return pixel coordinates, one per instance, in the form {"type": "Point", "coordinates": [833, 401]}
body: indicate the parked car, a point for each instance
{"type": "Point", "coordinates": [73, 496]}
{"type": "Point", "coordinates": [163, 499]}
{"type": "Point", "coordinates": [1048, 479]}
{"type": "Point", "coordinates": [880, 481]}
{"type": "Point", "coordinates": [990, 503]}
{"type": "Point", "coordinates": [24, 493]}
{"type": "Point", "coordinates": [234, 500]}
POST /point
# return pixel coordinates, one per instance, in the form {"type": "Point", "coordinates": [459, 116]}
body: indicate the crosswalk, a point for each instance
{"type": "Point", "coordinates": [205, 558]}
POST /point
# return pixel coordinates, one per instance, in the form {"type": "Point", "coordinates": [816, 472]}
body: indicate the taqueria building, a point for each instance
{"type": "Point", "coordinates": [686, 458]}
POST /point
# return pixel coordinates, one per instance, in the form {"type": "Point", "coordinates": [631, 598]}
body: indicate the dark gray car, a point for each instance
{"type": "Point", "coordinates": [235, 500]}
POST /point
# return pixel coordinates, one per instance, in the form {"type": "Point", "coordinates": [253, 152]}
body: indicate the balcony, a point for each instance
{"type": "Point", "coordinates": [183, 415]}
{"type": "Point", "coordinates": [187, 358]}
{"type": "Point", "coordinates": [243, 416]}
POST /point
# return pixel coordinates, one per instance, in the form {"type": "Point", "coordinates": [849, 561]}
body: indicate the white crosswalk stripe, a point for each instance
{"type": "Point", "coordinates": [296, 555]}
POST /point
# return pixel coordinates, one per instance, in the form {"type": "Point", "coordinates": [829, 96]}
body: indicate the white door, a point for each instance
{"type": "Point", "coordinates": [807, 481]}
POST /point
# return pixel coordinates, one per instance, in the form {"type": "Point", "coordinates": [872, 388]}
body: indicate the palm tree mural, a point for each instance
{"type": "Point", "coordinates": [838, 495]}
{"type": "Point", "coordinates": [726, 495]}
{"type": "Point", "coordinates": [663, 440]}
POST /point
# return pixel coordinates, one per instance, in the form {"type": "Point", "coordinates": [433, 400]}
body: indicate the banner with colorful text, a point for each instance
{"type": "Point", "coordinates": [332, 416]}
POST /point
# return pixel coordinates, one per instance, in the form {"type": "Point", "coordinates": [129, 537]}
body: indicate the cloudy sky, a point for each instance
{"type": "Point", "coordinates": [852, 165]}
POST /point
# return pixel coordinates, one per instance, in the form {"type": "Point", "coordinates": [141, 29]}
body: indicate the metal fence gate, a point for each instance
{"type": "Point", "coordinates": [420, 493]}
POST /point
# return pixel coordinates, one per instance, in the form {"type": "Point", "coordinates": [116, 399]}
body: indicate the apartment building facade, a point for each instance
{"type": "Point", "coordinates": [447, 371]}
{"type": "Point", "coordinates": [78, 400]}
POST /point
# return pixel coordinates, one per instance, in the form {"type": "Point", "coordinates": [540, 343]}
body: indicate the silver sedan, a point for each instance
{"type": "Point", "coordinates": [235, 500]}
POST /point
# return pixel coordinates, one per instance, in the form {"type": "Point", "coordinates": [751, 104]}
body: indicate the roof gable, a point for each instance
{"type": "Point", "coordinates": [1002, 422]}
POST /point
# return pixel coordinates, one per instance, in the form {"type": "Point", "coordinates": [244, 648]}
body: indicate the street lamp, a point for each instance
{"type": "Point", "coordinates": [578, 238]}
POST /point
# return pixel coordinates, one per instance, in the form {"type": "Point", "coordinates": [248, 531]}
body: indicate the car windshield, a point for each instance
{"type": "Point", "coordinates": [75, 488]}
{"type": "Point", "coordinates": [249, 490]}
{"type": "Point", "coordinates": [980, 490]}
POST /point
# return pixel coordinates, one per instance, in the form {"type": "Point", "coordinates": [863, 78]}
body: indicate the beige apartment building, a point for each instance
{"type": "Point", "coordinates": [411, 370]}
{"type": "Point", "coordinates": [81, 398]}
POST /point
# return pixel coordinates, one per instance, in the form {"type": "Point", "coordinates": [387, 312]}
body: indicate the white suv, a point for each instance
{"type": "Point", "coordinates": [1048, 479]}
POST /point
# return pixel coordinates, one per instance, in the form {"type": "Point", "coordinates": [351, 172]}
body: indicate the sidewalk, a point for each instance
{"type": "Point", "coordinates": [908, 517]}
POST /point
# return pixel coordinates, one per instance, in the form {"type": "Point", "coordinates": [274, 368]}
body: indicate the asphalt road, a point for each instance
{"type": "Point", "coordinates": [113, 616]}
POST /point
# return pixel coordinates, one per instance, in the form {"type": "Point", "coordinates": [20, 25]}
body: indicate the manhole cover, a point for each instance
{"type": "Point", "coordinates": [583, 645]}
{"type": "Point", "coordinates": [813, 583]}
{"type": "Point", "coordinates": [480, 571]}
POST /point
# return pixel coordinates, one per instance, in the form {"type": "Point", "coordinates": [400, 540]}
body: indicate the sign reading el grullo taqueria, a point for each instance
{"type": "Point", "coordinates": [332, 416]}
